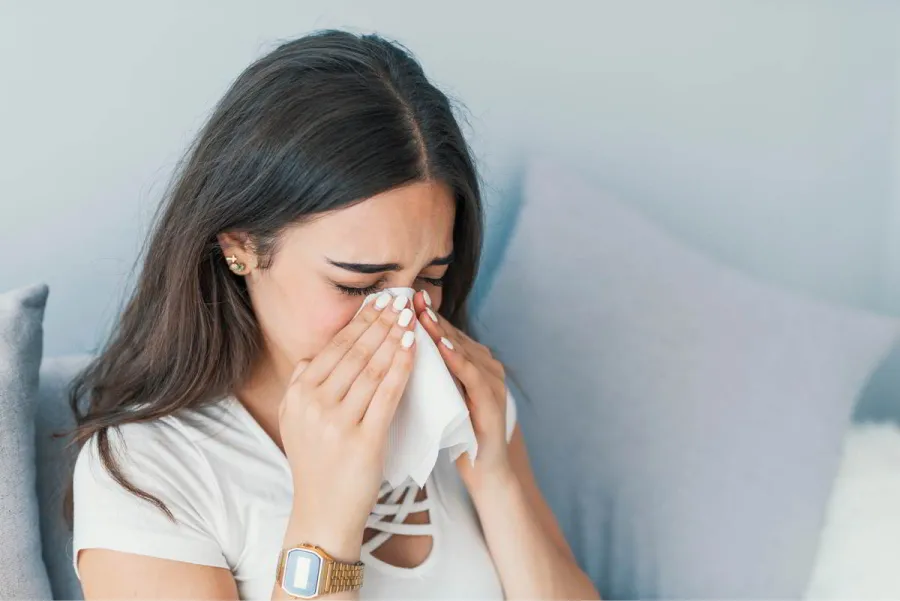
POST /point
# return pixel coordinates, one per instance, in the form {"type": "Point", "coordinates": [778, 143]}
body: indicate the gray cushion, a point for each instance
{"type": "Point", "coordinates": [54, 465]}
{"type": "Point", "coordinates": [22, 572]}
{"type": "Point", "coordinates": [684, 420]}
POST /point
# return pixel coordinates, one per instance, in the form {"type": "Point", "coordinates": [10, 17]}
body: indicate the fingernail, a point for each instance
{"type": "Point", "coordinates": [431, 314]}
{"type": "Point", "coordinates": [426, 297]}
{"type": "Point", "coordinates": [405, 317]}
{"type": "Point", "coordinates": [447, 343]}
{"type": "Point", "coordinates": [399, 302]}
{"type": "Point", "coordinates": [408, 338]}
{"type": "Point", "coordinates": [382, 300]}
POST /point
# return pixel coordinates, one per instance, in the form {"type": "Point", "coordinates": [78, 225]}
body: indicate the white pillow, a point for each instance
{"type": "Point", "coordinates": [859, 553]}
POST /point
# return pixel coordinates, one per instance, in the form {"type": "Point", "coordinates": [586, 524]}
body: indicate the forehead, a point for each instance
{"type": "Point", "coordinates": [400, 225]}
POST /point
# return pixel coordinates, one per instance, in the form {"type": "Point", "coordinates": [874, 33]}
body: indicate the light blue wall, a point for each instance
{"type": "Point", "coordinates": [763, 132]}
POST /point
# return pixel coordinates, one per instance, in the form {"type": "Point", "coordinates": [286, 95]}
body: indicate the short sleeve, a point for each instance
{"type": "Point", "coordinates": [155, 458]}
{"type": "Point", "coordinates": [510, 415]}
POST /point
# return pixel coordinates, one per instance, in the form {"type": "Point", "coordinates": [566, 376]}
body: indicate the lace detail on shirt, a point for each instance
{"type": "Point", "coordinates": [390, 513]}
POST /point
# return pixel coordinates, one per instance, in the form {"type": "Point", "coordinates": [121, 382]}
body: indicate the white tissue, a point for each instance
{"type": "Point", "coordinates": [432, 414]}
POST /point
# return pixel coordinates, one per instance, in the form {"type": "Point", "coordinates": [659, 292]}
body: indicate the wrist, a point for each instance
{"type": "Point", "coordinates": [491, 483]}
{"type": "Point", "coordinates": [340, 539]}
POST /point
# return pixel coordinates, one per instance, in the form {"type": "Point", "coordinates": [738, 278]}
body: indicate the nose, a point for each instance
{"type": "Point", "coordinates": [403, 280]}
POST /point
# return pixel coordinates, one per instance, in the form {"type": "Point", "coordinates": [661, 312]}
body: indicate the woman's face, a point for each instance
{"type": "Point", "coordinates": [322, 270]}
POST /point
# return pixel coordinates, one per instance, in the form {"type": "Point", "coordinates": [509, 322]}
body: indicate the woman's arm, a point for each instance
{"type": "Point", "coordinates": [115, 575]}
{"type": "Point", "coordinates": [344, 545]}
{"type": "Point", "coordinates": [529, 550]}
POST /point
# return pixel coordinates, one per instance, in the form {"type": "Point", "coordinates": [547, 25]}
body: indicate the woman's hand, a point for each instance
{"type": "Point", "coordinates": [334, 421]}
{"type": "Point", "coordinates": [484, 381]}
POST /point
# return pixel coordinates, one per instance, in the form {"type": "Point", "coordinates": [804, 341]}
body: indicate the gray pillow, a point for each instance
{"type": "Point", "coordinates": [22, 571]}
{"type": "Point", "coordinates": [54, 470]}
{"type": "Point", "coordinates": [683, 420]}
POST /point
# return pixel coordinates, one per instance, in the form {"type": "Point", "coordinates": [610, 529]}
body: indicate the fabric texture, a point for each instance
{"type": "Point", "coordinates": [857, 558]}
{"type": "Point", "coordinates": [22, 571]}
{"type": "Point", "coordinates": [230, 490]}
{"type": "Point", "coordinates": [684, 420]}
{"type": "Point", "coordinates": [54, 470]}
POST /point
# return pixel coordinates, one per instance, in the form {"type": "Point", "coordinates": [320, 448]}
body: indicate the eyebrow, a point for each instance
{"type": "Point", "coordinates": [369, 268]}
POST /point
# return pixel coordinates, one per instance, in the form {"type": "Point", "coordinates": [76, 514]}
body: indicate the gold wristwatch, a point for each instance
{"type": "Point", "coordinates": [307, 571]}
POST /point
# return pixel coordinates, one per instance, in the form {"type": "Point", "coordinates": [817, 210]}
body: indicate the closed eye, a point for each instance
{"type": "Point", "coordinates": [434, 281]}
{"type": "Point", "coordinates": [360, 291]}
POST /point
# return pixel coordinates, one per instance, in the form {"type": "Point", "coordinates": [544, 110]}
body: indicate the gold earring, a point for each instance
{"type": "Point", "coordinates": [234, 265]}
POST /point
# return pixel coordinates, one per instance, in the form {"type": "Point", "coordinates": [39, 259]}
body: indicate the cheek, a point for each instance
{"type": "Point", "coordinates": [321, 317]}
{"type": "Point", "coordinates": [299, 316]}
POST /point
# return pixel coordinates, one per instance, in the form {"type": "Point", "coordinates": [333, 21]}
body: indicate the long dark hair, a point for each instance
{"type": "Point", "coordinates": [320, 123]}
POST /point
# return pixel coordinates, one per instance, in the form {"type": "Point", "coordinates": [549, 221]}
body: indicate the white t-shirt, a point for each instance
{"type": "Point", "coordinates": [230, 490]}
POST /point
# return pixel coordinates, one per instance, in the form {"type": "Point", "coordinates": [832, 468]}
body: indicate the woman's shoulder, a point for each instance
{"type": "Point", "coordinates": [148, 488]}
{"type": "Point", "coordinates": [177, 438]}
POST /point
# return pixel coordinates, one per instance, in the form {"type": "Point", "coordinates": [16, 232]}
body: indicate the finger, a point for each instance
{"type": "Point", "coordinates": [471, 345]}
{"type": "Point", "coordinates": [469, 350]}
{"type": "Point", "coordinates": [355, 360]}
{"type": "Point", "coordinates": [380, 411]}
{"type": "Point", "coordinates": [492, 370]}
{"type": "Point", "coordinates": [421, 301]}
{"type": "Point", "coordinates": [439, 328]}
{"type": "Point", "coordinates": [324, 363]}
{"type": "Point", "coordinates": [430, 320]}
{"type": "Point", "coordinates": [477, 350]}
{"type": "Point", "coordinates": [488, 363]}
{"type": "Point", "coordinates": [299, 370]}
{"type": "Point", "coordinates": [465, 370]}
{"type": "Point", "coordinates": [373, 374]}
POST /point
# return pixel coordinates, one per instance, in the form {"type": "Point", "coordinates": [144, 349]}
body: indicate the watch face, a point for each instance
{"type": "Point", "coordinates": [301, 573]}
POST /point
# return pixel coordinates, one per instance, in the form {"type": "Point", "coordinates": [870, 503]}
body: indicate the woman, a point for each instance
{"type": "Point", "coordinates": [235, 424]}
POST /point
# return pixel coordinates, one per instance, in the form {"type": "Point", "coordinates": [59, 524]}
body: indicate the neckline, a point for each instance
{"type": "Point", "coordinates": [237, 408]}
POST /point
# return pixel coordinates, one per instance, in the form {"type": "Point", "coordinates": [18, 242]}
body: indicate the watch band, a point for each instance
{"type": "Point", "coordinates": [342, 577]}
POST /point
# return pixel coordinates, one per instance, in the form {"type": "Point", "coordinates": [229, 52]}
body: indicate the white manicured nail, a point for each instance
{"type": "Point", "coordinates": [426, 297]}
{"type": "Point", "coordinates": [382, 300]}
{"type": "Point", "coordinates": [408, 338]}
{"type": "Point", "coordinates": [431, 314]}
{"type": "Point", "coordinates": [447, 343]}
{"type": "Point", "coordinates": [399, 302]}
{"type": "Point", "coordinates": [405, 317]}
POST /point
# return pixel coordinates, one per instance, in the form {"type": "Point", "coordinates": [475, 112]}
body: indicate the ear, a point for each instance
{"type": "Point", "coordinates": [237, 244]}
